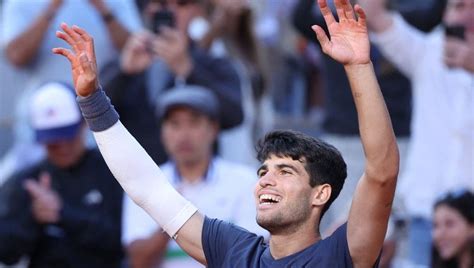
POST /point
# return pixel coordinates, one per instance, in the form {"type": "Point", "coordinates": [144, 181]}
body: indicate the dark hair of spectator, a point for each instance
{"type": "Point", "coordinates": [463, 202]}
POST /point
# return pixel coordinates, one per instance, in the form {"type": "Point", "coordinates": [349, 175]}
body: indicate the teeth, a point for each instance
{"type": "Point", "coordinates": [265, 197]}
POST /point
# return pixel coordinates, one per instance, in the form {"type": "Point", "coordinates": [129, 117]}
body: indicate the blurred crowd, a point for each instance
{"type": "Point", "coordinates": [197, 83]}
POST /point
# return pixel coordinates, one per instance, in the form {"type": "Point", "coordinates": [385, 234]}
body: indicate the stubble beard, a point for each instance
{"type": "Point", "coordinates": [285, 220]}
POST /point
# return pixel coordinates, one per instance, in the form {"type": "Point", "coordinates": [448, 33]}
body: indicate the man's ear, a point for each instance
{"type": "Point", "coordinates": [321, 194]}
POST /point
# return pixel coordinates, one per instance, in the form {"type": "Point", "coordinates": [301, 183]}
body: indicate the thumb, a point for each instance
{"type": "Point", "coordinates": [322, 38]}
{"type": "Point", "coordinates": [45, 180]}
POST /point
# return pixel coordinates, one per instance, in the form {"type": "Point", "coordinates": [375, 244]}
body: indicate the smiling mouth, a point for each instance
{"type": "Point", "coordinates": [266, 199]}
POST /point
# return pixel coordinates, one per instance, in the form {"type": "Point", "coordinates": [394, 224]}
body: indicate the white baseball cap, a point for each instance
{"type": "Point", "coordinates": [54, 113]}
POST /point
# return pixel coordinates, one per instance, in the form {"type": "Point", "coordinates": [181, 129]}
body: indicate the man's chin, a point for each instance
{"type": "Point", "coordinates": [268, 224]}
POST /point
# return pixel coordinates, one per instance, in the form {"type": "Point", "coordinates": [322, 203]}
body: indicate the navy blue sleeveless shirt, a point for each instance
{"type": "Point", "coordinates": [226, 245]}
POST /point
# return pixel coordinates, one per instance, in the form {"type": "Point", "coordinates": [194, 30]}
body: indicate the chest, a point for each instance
{"type": "Point", "coordinates": [262, 259]}
{"type": "Point", "coordinates": [82, 189]}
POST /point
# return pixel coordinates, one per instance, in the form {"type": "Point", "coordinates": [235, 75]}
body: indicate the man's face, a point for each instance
{"type": "Point", "coordinates": [283, 194]}
{"type": "Point", "coordinates": [66, 153]}
{"type": "Point", "coordinates": [188, 135]}
{"type": "Point", "coordinates": [460, 12]}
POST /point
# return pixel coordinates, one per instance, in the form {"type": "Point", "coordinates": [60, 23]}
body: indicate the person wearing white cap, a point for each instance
{"type": "Point", "coordinates": [190, 123]}
{"type": "Point", "coordinates": [64, 211]}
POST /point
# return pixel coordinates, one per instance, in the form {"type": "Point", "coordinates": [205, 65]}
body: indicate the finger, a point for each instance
{"type": "Point", "coordinates": [144, 36]}
{"type": "Point", "coordinates": [349, 12]}
{"type": "Point", "coordinates": [87, 39]}
{"type": "Point", "coordinates": [68, 30]}
{"type": "Point", "coordinates": [77, 40]}
{"type": "Point", "coordinates": [45, 180]}
{"type": "Point", "coordinates": [169, 33]}
{"type": "Point", "coordinates": [33, 188]}
{"type": "Point", "coordinates": [65, 37]}
{"type": "Point", "coordinates": [161, 45]}
{"type": "Point", "coordinates": [141, 41]}
{"type": "Point", "coordinates": [322, 38]}
{"type": "Point", "coordinates": [326, 12]}
{"type": "Point", "coordinates": [341, 14]}
{"type": "Point", "coordinates": [161, 51]}
{"type": "Point", "coordinates": [66, 53]}
{"type": "Point", "coordinates": [362, 18]}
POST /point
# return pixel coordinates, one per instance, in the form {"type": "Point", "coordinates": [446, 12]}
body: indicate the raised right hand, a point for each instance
{"type": "Point", "coordinates": [136, 56]}
{"type": "Point", "coordinates": [82, 58]}
{"type": "Point", "coordinates": [349, 40]}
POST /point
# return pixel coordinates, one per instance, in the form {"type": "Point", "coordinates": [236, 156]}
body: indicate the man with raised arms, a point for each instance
{"type": "Point", "coordinates": [299, 178]}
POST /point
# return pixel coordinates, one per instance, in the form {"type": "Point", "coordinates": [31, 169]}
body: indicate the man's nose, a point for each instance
{"type": "Point", "coordinates": [267, 180]}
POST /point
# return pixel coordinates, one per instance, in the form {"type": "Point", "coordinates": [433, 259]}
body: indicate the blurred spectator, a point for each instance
{"type": "Point", "coordinates": [190, 126]}
{"type": "Point", "coordinates": [453, 230]}
{"type": "Point", "coordinates": [230, 31]}
{"type": "Point", "coordinates": [66, 210]}
{"type": "Point", "coordinates": [28, 30]}
{"type": "Point", "coordinates": [441, 69]}
{"type": "Point", "coordinates": [152, 63]}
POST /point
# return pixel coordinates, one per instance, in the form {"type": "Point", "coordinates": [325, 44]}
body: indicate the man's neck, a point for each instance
{"type": "Point", "coordinates": [286, 244]}
{"type": "Point", "coordinates": [193, 171]}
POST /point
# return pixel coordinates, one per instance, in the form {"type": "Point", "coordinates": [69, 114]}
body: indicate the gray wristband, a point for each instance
{"type": "Point", "coordinates": [97, 110]}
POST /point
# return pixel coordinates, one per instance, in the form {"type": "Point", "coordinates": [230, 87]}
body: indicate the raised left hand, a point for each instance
{"type": "Point", "coordinates": [46, 204]}
{"type": "Point", "coordinates": [172, 46]}
{"type": "Point", "coordinates": [349, 40]}
{"type": "Point", "coordinates": [459, 54]}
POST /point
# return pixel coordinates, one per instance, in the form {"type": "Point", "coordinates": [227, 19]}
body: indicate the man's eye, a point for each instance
{"type": "Point", "coordinates": [261, 174]}
{"type": "Point", "coordinates": [285, 172]}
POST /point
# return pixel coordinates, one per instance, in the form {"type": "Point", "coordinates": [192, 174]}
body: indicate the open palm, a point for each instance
{"type": "Point", "coordinates": [82, 58]}
{"type": "Point", "coordinates": [349, 41]}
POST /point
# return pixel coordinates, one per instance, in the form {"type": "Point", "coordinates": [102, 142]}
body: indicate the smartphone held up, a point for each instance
{"type": "Point", "coordinates": [163, 17]}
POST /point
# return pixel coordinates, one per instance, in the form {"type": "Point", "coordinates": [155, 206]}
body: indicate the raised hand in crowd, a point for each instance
{"type": "Point", "coordinates": [459, 53]}
{"type": "Point", "coordinates": [46, 203]}
{"type": "Point", "coordinates": [136, 56]}
{"type": "Point", "coordinates": [171, 45]}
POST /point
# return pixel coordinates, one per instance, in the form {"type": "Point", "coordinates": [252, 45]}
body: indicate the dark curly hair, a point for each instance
{"type": "Point", "coordinates": [323, 162]}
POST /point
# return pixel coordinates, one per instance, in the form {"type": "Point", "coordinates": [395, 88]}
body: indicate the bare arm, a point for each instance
{"type": "Point", "coordinates": [23, 49]}
{"type": "Point", "coordinates": [373, 198]}
{"type": "Point", "coordinates": [148, 252]}
{"type": "Point", "coordinates": [134, 169]}
{"type": "Point", "coordinates": [372, 201]}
